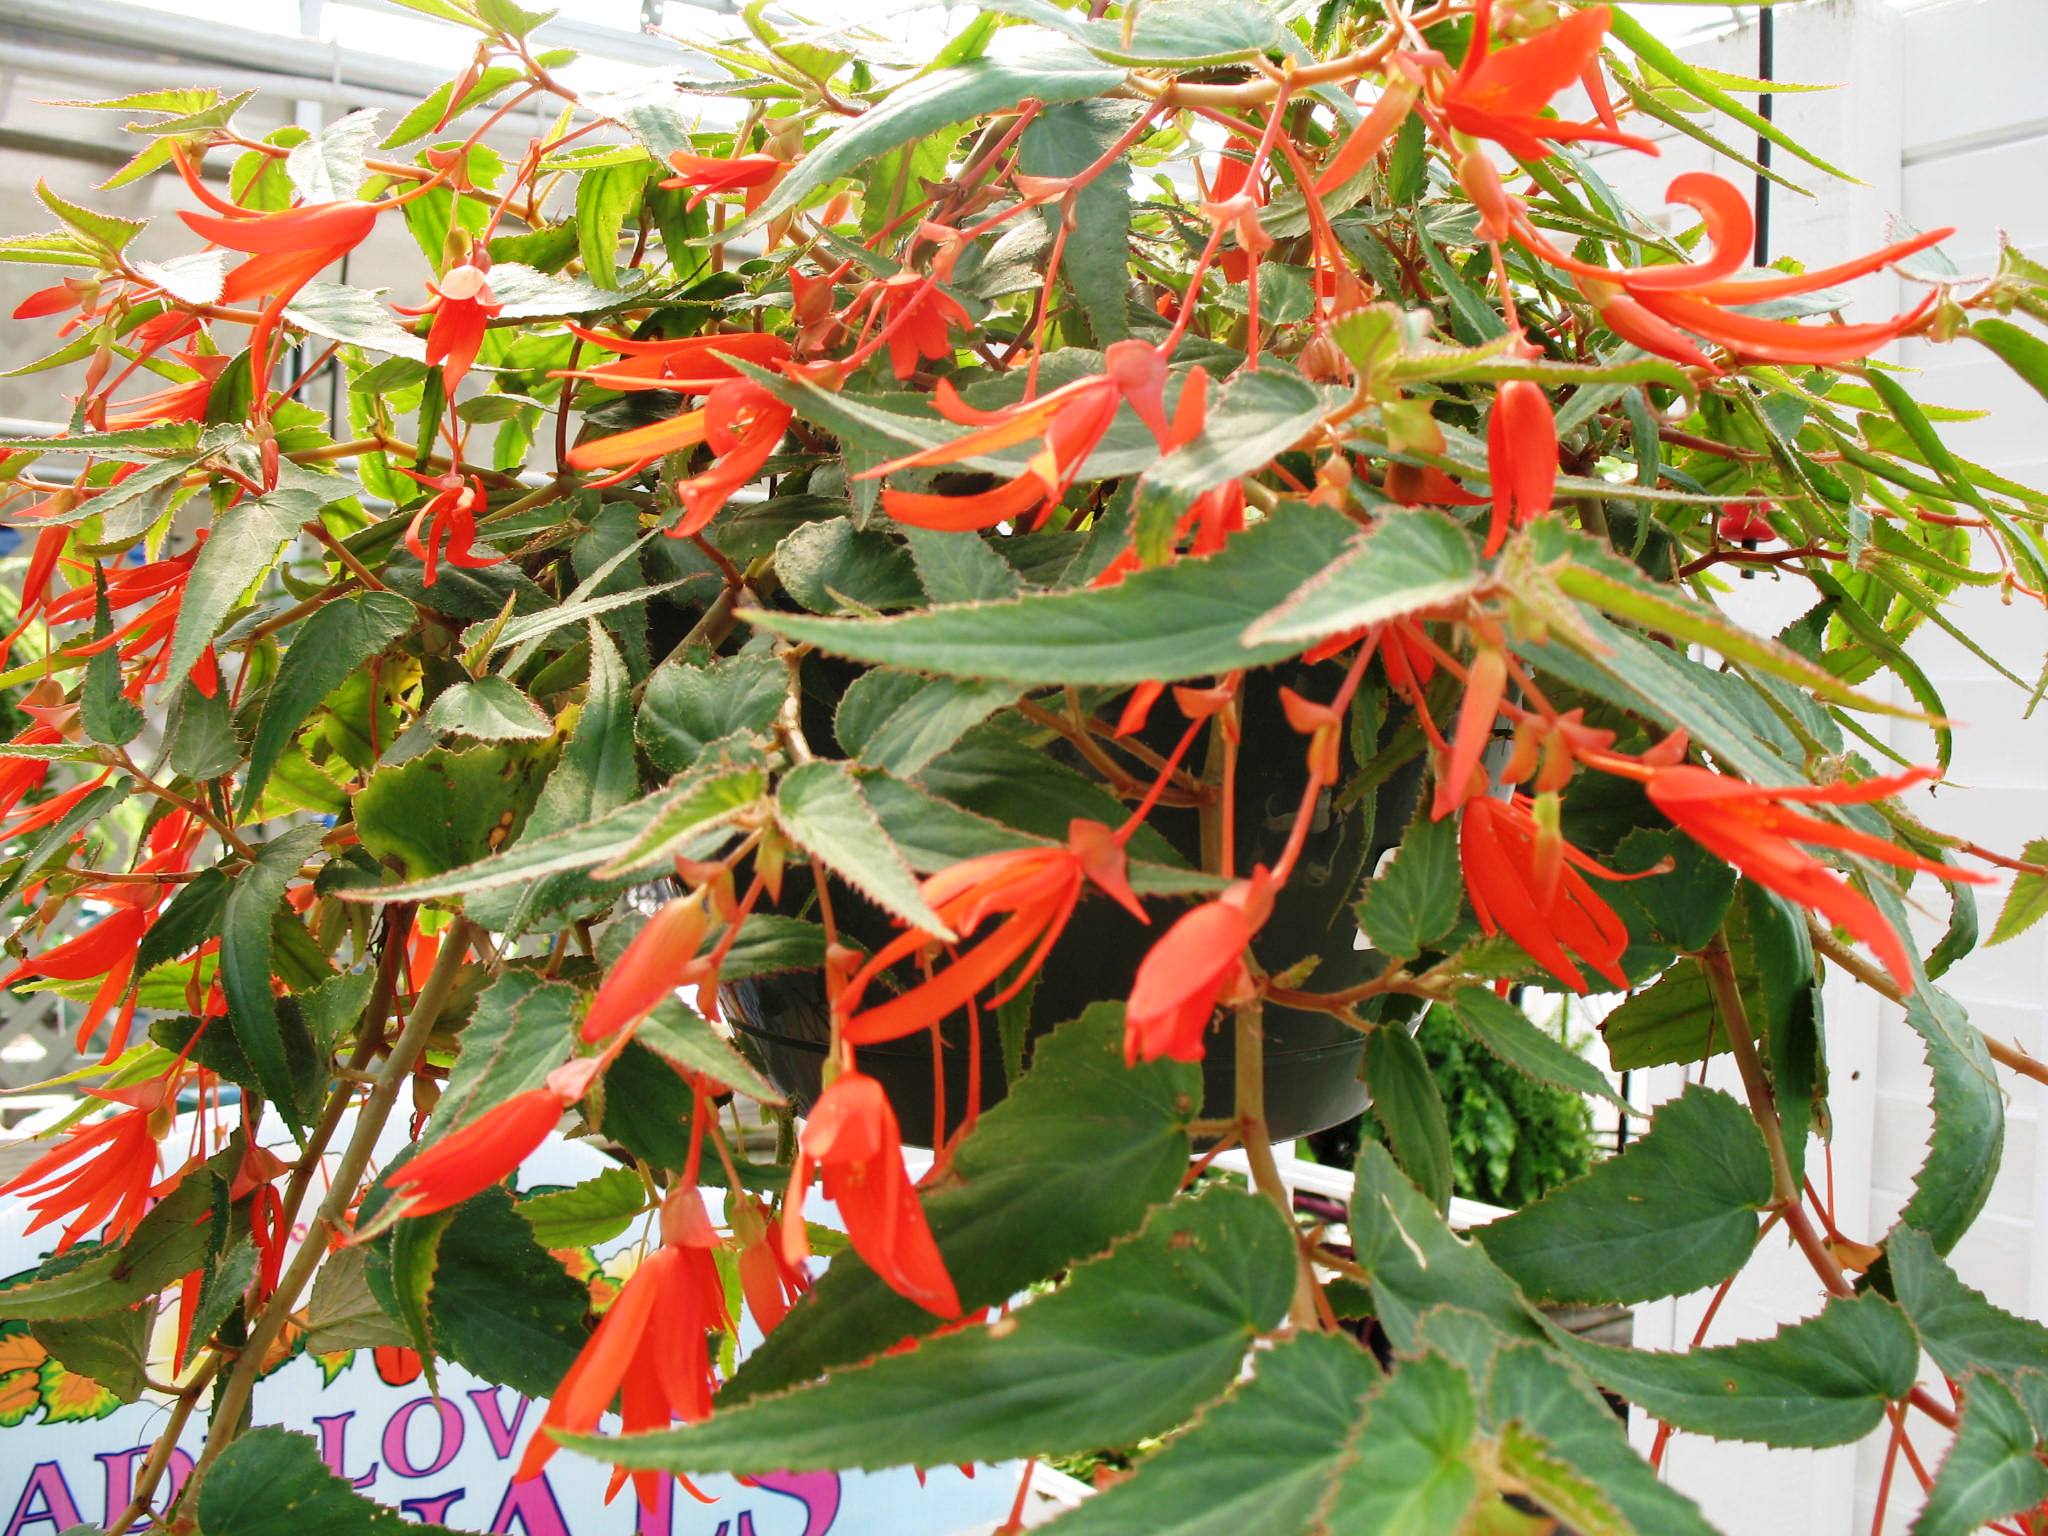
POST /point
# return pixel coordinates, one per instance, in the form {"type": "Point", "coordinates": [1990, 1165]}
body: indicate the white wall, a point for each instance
{"type": "Point", "coordinates": [1937, 142]}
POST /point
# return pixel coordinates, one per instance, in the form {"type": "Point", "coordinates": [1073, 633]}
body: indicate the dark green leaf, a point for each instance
{"type": "Point", "coordinates": [245, 962]}
{"type": "Point", "coordinates": [960, 567]}
{"type": "Point", "coordinates": [343, 1313]}
{"type": "Point", "coordinates": [1507, 1032]}
{"type": "Point", "coordinates": [1255, 417]}
{"type": "Point", "coordinates": [503, 1306]}
{"type": "Point", "coordinates": [1993, 1468]}
{"type": "Point", "coordinates": [1415, 1466]}
{"type": "Point", "coordinates": [325, 652]}
{"type": "Point", "coordinates": [1179, 621]}
{"type": "Point", "coordinates": [488, 709]}
{"type": "Point", "coordinates": [104, 712]}
{"type": "Point", "coordinates": [679, 1036]}
{"type": "Point", "coordinates": [1960, 1330]}
{"type": "Point", "coordinates": [523, 1028]}
{"type": "Point", "coordinates": [1408, 562]}
{"type": "Point", "coordinates": [686, 708]}
{"type": "Point", "coordinates": [899, 721]}
{"type": "Point", "coordinates": [244, 545]}
{"type": "Point", "coordinates": [834, 567]}
{"type": "Point", "coordinates": [171, 1241]}
{"type": "Point", "coordinates": [1409, 1109]}
{"type": "Point", "coordinates": [112, 1351]}
{"type": "Point", "coordinates": [271, 1482]}
{"type": "Point", "coordinates": [1969, 1116]}
{"type": "Point", "coordinates": [227, 1276]}
{"type": "Point", "coordinates": [1676, 1211]}
{"type": "Point", "coordinates": [821, 809]}
{"type": "Point", "coordinates": [1416, 899]}
{"type": "Point", "coordinates": [1077, 1369]}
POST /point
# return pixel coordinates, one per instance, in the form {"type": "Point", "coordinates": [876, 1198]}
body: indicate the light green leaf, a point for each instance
{"type": "Point", "coordinates": [488, 709]}
{"type": "Point", "coordinates": [325, 652]}
{"type": "Point", "coordinates": [1417, 899]}
{"type": "Point", "coordinates": [593, 1212]}
{"type": "Point", "coordinates": [1168, 34]}
{"type": "Point", "coordinates": [2027, 903]}
{"type": "Point", "coordinates": [1407, 563]}
{"type": "Point", "coordinates": [240, 552]}
{"type": "Point", "coordinates": [820, 808]}
{"type": "Point", "coordinates": [353, 316]}
{"type": "Point", "coordinates": [1406, 1104]}
{"type": "Point", "coordinates": [445, 809]}
{"type": "Point", "coordinates": [328, 168]}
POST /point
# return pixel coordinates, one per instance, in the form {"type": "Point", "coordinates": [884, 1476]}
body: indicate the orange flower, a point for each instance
{"type": "Point", "coordinates": [1525, 882]}
{"type": "Point", "coordinates": [650, 1350]}
{"type": "Point", "coordinates": [179, 402]}
{"type": "Point", "coordinates": [463, 308]}
{"type": "Point", "coordinates": [851, 1137]}
{"type": "Point", "coordinates": [1502, 96]}
{"type": "Point", "coordinates": [1485, 685]}
{"type": "Point", "coordinates": [741, 421]}
{"type": "Point", "coordinates": [755, 175]}
{"type": "Point", "coordinates": [445, 525]}
{"type": "Point", "coordinates": [1197, 964]}
{"type": "Point", "coordinates": [654, 964]}
{"type": "Point", "coordinates": [159, 589]}
{"type": "Point", "coordinates": [1037, 887]}
{"type": "Point", "coordinates": [1749, 826]}
{"type": "Point", "coordinates": [921, 320]}
{"type": "Point", "coordinates": [468, 1161]}
{"type": "Point", "coordinates": [106, 949]}
{"type": "Point", "coordinates": [119, 1178]}
{"type": "Point", "coordinates": [1371, 135]}
{"type": "Point", "coordinates": [1655, 307]}
{"type": "Point", "coordinates": [1521, 458]}
{"type": "Point", "coordinates": [692, 365]}
{"type": "Point", "coordinates": [769, 1280]}
{"type": "Point", "coordinates": [1071, 419]}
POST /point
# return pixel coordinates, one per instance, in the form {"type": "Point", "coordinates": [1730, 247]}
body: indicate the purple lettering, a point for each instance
{"type": "Point", "coordinates": [432, 1511]}
{"type": "Point", "coordinates": [746, 1525]}
{"type": "Point", "coordinates": [45, 1501]}
{"type": "Point", "coordinates": [818, 1492]}
{"type": "Point", "coordinates": [658, 1520]}
{"type": "Point", "coordinates": [334, 1448]}
{"type": "Point", "coordinates": [398, 1457]}
{"type": "Point", "coordinates": [502, 1435]}
{"type": "Point", "coordinates": [532, 1504]}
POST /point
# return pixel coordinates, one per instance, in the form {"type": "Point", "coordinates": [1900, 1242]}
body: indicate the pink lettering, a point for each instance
{"type": "Point", "coordinates": [818, 1492]}
{"type": "Point", "coordinates": [502, 1435]}
{"type": "Point", "coordinates": [398, 1456]}
{"type": "Point", "coordinates": [45, 1501]}
{"type": "Point", "coordinates": [532, 1504]}
{"type": "Point", "coordinates": [433, 1511]}
{"type": "Point", "coordinates": [334, 1448]}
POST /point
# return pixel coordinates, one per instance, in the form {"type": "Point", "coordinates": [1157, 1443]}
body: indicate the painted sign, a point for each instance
{"type": "Point", "coordinates": [69, 1453]}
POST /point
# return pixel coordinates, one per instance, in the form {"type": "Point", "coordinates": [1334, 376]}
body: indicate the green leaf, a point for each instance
{"type": "Point", "coordinates": [343, 1313]}
{"type": "Point", "coordinates": [328, 167]}
{"type": "Point", "coordinates": [1674, 1212]}
{"type": "Point", "coordinates": [522, 1030]}
{"type": "Point", "coordinates": [769, 943]}
{"type": "Point", "coordinates": [227, 1276]}
{"type": "Point", "coordinates": [246, 962]}
{"type": "Point", "coordinates": [1409, 1109]}
{"type": "Point", "coordinates": [833, 566]}
{"type": "Point", "coordinates": [488, 709]}
{"type": "Point", "coordinates": [1073, 1371]}
{"type": "Point", "coordinates": [132, 442]}
{"type": "Point", "coordinates": [1256, 416]}
{"type": "Point", "coordinates": [200, 733]}
{"type": "Point", "coordinates": [595, 775]}
{"type": "Point", "coordinates": [604, 197]}
{"type": "Point", "coordinates": [1683, 907]}
{"type": "Point", "coordinates": [102, 229]}
{"type": "Point", "coordinates": [960, 567]}
{"type": "Point", "coordinates": [1264, 1459]}
{"type": "Point", "coordinates": [593, 1212]}
{"type": "Point", "coordinates": [1507, 1032]}
{"type": "Point", "coordinates": [104, 711]}
{"type": "Point", "coordinates": [1414, 1262]}
{"type": "Point", "coordinates": [820, 808]}
{"type": "Point", "coordinates": [244, 545]}
{"type": "Point", "coordinates": [1171, 33]}
{"type": "Point", "coordinates": [171, 1241]}
{"type": "Point", "coordinates": [1993, 1468]}
{"type": "Point", "coordinates": [503, 1306]}
{"type": "Point", "coordinates": [271, 1482]}
{"type": "Point", "coordinates": [1416, 900]}
{"type": "Point", "coordinates": [1408, 562]}
{"type": "Point", "coordinates": [693, 816]}
{"type": "Point", "coordinates": [685, 708]}
{"type": "Point", "coordinates": [1072, 1159]}
{"type": "Point", "coordinates": [1960, 1329]}
{"type": "Point", "coordinates": [2020, 350]}
{"type": "Point", "coordinates": [679, 1036]}
{"type": "Point", "coordinates": [113, 1350]}
{"type": "Point", "coordinates": [445, 809]}
{"type": "Point", "coordinates": [1415, 1466]}
{"type": "Point", "coordinates": [1065, 140]}
{"type": "Point", "coordinates": [1049, 73]}
{"type": "Point", "coordinates": [1968, 1142]}
{"type": "Point", "coordinates": [406, 1265]}
{"type": "Point", "coordinates": [900, 721]}
{"type": "Point", "coordinates": [1167, 624]}
{"type": "Point", "coordinates": [1824, 1381]}
{"type": "Point", "coordinates": [354, 317]}
{"type": "Point", "coordinates": [2027, 903]}
{"type": "Point", "coordinates": [328, 649]}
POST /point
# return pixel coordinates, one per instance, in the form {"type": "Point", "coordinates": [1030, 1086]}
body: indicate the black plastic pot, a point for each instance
{"type": "Point", "coordinates": [1312, 1061]}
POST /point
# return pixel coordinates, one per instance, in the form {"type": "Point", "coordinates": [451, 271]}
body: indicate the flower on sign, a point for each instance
{"type": "Point", "coordinates": [851, 1138]}
{"type": "Point", "coordinates": [706, 175]}
{"type": "Point", "coordinates": [650, 1352]}
{"type": "Point", "coordinates": [1502, 96]}
{"type": "Point", "coordinates": [1196, 966]}
{"type": "Point", "coordinates": [1526, 881]}
{"type": "Point", "coordinates": [1663, 308]}
{"type": "Point", "coordinates": [1036, 891]}
{"type": "Point", "coordinates": [1753, 827]}
{"type": "Point", "coordinates": [105, 1171]}
{"type": "Point", "coordinates": [1071, 421]}
{"type": "Point", "coordinates": [473, 1157]}
{"type": "Point", "coordinates": [445, 525]}
{"type": "Point", "coordinates": [1521, 458]}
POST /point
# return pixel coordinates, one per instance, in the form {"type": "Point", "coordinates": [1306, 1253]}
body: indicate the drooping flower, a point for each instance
{"type": "Point", "coordinates": [654, 964]}
{"type": "Point", "coordinates": [1502, 95]}
{"type": "Point", "coordinates": [1071, 420]}
{"type": "Point", "coordinates": [1534, 890]}
{"type": "Point", "coordinates": [158, 589]}
{"type": "Point", "coordinates": [105, 1171]}
{"type": "Point", "coordinates": [1663, 308]}
{"type": "Point", "coordinates": [920, 320]}
{"type": "Point", "coordinates": [105, 949]}
{"type": "Point", "coordinates": [1036, 889]}
{"type": "Point", "coordinates": [1521, 458]}
{"type": "Point", "coordinates": [444, 527]}
{"type": "Point", "coordinates": [851, 1138]}
{"type": "Point", "coordinates": [755, 175]}
{"type": "Point", "coordinates": [1485, 686]}
{"type": "Point", "coordinates": [650, 1352]}
{"type": "Point", "coordinates": [770, 1282]}
{"type": "Point", "coordinates": [1370, 136]}
{"type": "Point", "coordinates": [472, 1158]}
{"type": "Point", "coordinates": [1745, 522]}
{"type": "Point", "coordinates": [176, 402]}
{"type": "Point", "coordinates": [740, 420]}
{"type": "Point", "coordinates": [1196, 965]}
{"type": "Point", "coordinates": [1752, 827]}
{"type": "Point", "coordinates": [690, 365]}
{"type": "Point", "coordinates": [463, 308]}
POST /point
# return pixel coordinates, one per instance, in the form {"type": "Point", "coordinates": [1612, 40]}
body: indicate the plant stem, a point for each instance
{"type": "Point", "coordinates": [341, 1192]}
{"type": "Point", "coordinates": [160, 1453]}
{"type": "Point", "coordinates": [1756, 1085]}
{"type": "Point", "coordinates": [1258, 1149]}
